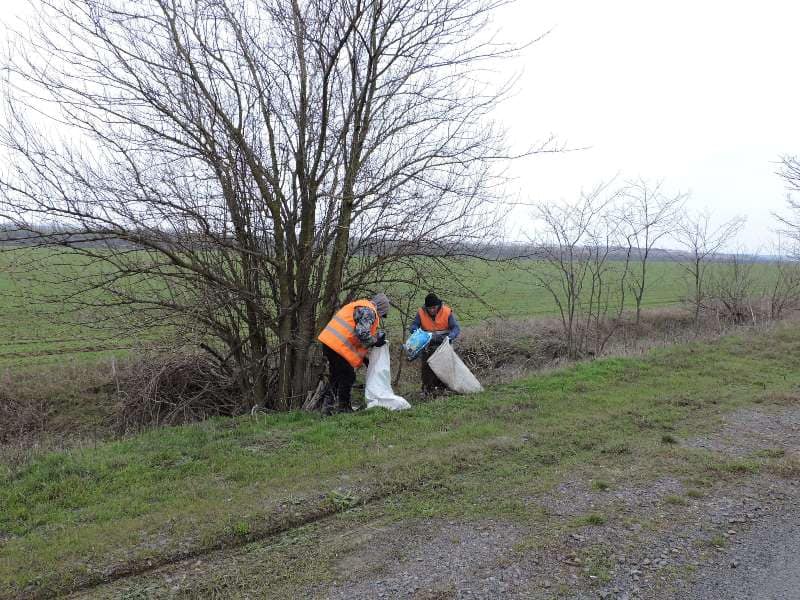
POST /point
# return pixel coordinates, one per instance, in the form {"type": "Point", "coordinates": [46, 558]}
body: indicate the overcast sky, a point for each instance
{"type": "Point", "coordinates": [703, 94]}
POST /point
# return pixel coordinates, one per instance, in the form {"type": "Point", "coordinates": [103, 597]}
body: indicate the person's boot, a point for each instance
{"type": "Point", "coordinates": [344, 407]}
{"type": "Point", "coordinates": [329, 404]}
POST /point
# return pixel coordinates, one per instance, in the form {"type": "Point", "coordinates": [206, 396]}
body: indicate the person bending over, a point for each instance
{"type": "Point", "coordinates": [346, 339]}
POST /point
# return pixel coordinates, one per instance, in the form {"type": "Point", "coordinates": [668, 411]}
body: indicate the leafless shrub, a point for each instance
{"type": "Point", "coordinates": [174, 389]}
{"type": "Point", "coordinates": [784, 294]}
{"type": "Point", "coordinates": [701, 242]}
{"type": "Point", "coordinates": [575, 266]}
{"type": "Point", "coordinates": [732, 289]}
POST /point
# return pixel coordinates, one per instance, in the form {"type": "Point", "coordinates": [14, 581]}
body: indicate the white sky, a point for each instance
{"type": "Point", "coordinates": [701, 93]}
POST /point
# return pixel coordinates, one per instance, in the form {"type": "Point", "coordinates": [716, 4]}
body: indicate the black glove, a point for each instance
{"type": "Point", "coordinates": [381, 339]}
{"type": "Point", "coordinates": [437, 338]}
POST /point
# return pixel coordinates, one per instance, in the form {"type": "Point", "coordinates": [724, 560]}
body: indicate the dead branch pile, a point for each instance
{"type": "Point", "coordinates": [174, 389]}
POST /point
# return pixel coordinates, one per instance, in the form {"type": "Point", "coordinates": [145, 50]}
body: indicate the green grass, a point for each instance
{"type": "Point", "coordinates": [595, 519]}
{"type": "Point", "coordinates": [75, 516]}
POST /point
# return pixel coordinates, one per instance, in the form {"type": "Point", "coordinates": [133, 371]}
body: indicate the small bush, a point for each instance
{"type": "Point", "coordinates": [241, 529]}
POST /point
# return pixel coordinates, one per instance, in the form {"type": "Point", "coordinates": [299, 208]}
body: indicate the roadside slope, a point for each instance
{"type": "Point", "coordinates": [79, 518]}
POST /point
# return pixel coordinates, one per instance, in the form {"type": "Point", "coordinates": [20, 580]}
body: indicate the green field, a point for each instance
{"type": "Point", "coordinates": [38, 332]}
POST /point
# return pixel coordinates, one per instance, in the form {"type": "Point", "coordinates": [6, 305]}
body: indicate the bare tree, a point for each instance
{"type": "Point", "coordinates": [573, 252]}
{"type": "Point", "coordinates": [701, 242]}
{"type": "Point", "coordinates": [648, 215]}
{"type": "Point", "coordinates": [609, 274]}
{"type": "Point", "coordinates": [238, 168]}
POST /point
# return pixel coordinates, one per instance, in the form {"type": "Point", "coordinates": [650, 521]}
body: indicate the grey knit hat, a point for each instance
{"type": "Point", "coordinates": [381, 302]}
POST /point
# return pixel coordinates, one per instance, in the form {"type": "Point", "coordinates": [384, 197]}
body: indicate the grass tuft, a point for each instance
{"type": "Point", "coordinates": [592, 519]}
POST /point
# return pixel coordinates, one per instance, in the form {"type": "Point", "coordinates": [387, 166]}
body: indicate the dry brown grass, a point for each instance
{"type": "Point", "coordinates": [500, 350]}
{"type": "Point", "coordinates": [53, 407]}
{"type": "Point", "coordinates": [21, 417]}
{"type": "Point", "coordinates": [58, 399]}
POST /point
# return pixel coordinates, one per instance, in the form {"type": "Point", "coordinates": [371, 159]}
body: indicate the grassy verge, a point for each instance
{"type": "Point", "coordinates": [87, 515]}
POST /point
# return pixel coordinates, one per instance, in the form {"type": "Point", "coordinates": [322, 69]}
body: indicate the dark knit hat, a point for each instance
{"type": "Point", "coordinates": [432, 300]}
{"type": "Point", "coordinates": [381, 302]}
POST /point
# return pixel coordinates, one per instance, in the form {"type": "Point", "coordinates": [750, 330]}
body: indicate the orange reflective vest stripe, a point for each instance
{"type": "Point", "coordinates": [438, 324]}
{"type": "Point", "coordinates": [340, 333]}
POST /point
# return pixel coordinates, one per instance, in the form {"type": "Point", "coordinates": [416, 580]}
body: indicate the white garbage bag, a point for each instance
{"type": "Point", "coordinates": [378, 388]}
{"type": "Point", "coordinates": [452, 371]}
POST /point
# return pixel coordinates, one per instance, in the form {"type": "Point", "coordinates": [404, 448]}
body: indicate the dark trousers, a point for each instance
{"type": "Point", "coordinates": [342, 375]}
{"type": "Point", "coordinates": [430, 382]}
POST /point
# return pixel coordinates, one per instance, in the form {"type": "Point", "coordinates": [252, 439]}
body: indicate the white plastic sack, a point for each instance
{"type": "Point", "coordinates": [378, 388]}
{"type": "Point", "coordinates": [452, 371]}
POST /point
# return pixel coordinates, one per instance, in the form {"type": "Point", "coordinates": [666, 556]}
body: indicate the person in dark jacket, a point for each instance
{"type": "Point", "coordinates": [438, 319]}
{"type": "Point", "coordinates": [346, 340]}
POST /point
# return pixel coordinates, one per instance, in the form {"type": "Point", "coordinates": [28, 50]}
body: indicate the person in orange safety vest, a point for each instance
{"type": "Point", "coordinates": [438, 319]}
{"type": "Point", "coordinates": [346, 340]}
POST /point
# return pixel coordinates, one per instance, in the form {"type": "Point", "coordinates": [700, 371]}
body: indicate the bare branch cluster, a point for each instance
{"type": "Point", "coordinates": [594, 251]}
{"type": "Point", "coordinates": [701, 242]}
{"type": "Point", "coordinates": [574, 265]}
{"type": "Point", "coordinates": [789, 221]}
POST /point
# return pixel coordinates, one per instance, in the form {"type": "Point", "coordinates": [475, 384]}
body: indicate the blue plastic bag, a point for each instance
{"type": "Point", "coordinates": [416, 343]}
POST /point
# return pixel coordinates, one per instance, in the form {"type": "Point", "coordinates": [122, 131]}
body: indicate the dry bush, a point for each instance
{"type": "Point", "coordinates": [21, 418]}
{"type": "Point", "coordinates": [171, 389]}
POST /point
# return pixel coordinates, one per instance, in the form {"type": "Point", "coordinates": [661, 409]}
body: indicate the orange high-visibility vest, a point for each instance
{"type": "Point", "coordinates": [437, 325]}
{"type": "Point", "coordinates": [340, 333]}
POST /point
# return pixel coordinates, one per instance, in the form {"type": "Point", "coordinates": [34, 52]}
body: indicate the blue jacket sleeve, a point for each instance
{"type": "Point", "coordinates": [415, 324]}
{"type": "Point", "coordinates": [452, 325]}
